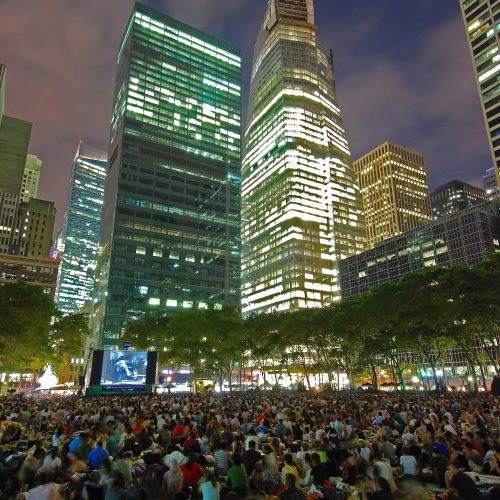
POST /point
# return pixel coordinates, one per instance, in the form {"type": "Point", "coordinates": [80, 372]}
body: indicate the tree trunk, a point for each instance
{"type": "Point", "coordinates": [348, 372]}
{"type": "Point", "coordinates": [373, 375]}
{"type": "Point", "coordinates": [481, 369]}
{"type": "Point", "coordinates": [487, 350]}
{"type": "Point", "coordinates": [401, 377]}
{"type": "Point", "coordinates": [433, 367]}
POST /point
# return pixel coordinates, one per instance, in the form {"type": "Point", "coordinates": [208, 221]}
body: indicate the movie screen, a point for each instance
{"type": "Point", "coordinates": [124, 368]}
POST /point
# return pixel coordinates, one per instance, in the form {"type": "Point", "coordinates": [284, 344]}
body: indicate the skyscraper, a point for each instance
{"type": "Point", "coordinates": [2, 91]}
{"type": "Point", "coordinates": [393, 183]}
{"type": "Point", "coordinates": [26, 224]}
{"type": "Point", "coordinates": [301, 206]}
{"type": "Point", "coordinates": [482, 26]}
{"type": "Point", "coordinates": [36, 220]}
{"type": "Point", "coordinates": [80, 234]}
{"type": "Point", "coordinates": [170, 227]}
{"type": "Point", "coordinates": [14, 141]}
{"type": "Point", "coordinates": [490, 184]}
{"type": "Point", "coordinates": [31, 178]}
{"type": "Point", "coordinates": [455, 196]}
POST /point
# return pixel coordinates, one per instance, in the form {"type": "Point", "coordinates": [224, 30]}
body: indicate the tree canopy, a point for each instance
{"type": "Point", "coordinates": [418, 320]}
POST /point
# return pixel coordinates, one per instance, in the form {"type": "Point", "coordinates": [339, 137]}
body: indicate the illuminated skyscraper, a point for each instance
{"type": "Point", "coordinates": [482, 22]}
{"type": "Point", "coordinates": [170, 229]}
{"type": "Point", "coordinates": [81, 230]}
{"type": "Point", "coordinates": [301, 206]}
{"type": "Point", "coordinates": [393, 183]}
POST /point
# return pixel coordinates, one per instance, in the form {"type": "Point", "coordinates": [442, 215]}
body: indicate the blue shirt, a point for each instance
{"type": "Point", "coordinates": [74, 444]}
{"type": "Point", "coordinates": [96, 456]}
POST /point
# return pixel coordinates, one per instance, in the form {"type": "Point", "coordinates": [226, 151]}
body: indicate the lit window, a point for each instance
{"type": "Point", "coordinates": [143, 290]}
{"type": "Point", "coordinates": [157, 253]}
{"type": "Point", "coordinates": [174, 255]}
{"type": "Point", "coordinates": [171, 303]}
{"type": "Point", "coordinates": [154, 302]}
{"type": "Point", "coordinates": [190, 258]}
{"type": "Point", "coordinates": [187, 304]}
{"type": "Point", "coordinates": [141, 250]}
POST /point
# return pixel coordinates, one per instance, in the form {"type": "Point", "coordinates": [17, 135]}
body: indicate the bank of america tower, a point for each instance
{"type": "Point", "coordinates": [170, 230]}
{"type": "Point", "coordinates": [301, 206]}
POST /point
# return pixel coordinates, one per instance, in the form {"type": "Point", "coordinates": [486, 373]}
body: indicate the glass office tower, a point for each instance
{"type": "Point", "coordinates": [81, 230]}
{"type": "Point", "coordinates": [170, 231]}
{"type": "Point", "coordinates": [482, 23]}
{"type": "Point", "coordinates": [301, 206]}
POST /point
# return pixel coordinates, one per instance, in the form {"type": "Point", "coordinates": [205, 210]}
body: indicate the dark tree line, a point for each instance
{"type": "Point", "coordinates": [426, 314]}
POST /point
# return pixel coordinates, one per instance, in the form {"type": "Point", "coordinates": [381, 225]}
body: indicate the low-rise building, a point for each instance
{"type": "Point", "coordinates": [455, 196]}
{"type": "Point", "coordinates": [466, 237]}
{"type": "Point", "coordinates": [35, 271]}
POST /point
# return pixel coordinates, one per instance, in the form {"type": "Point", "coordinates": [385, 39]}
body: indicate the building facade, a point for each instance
{"type": "Point", "coordinates": [78, 242]}
{"type": "Point", "coordinates": [36, 220]}
{"type": "Point", "coordinates": [482, 23]}
{"type": "Point", "coordinates": [395, 192]}
{"type": "Point", "coordinates": [15, 136]}
{"type": "Point", "coordinates": [455, 196]}
{"type": "Point", "coordinates": [466, 237]}
{"type": "Point", "coordinates": [26, 223]}
{"type": "Point", "coordinates": [14, 141]}
{"type": "Point", "coordinates": [9, 222]}
{"type": "Point", "coordinates": [301, 206]}
{"type": "Point", "coordinates": [170, 227]}
{"type": "Point", "coordinates": [490, 184]}
{"type": "Point", "coordinates": [2, 91]}
{"type": "Point", "coordinates": [31, 178]}
{"type": "Point", "coordinates": [40, 272]}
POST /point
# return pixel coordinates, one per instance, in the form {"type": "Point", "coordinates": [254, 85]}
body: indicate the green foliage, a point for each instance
{"type": "Point", "coordinates": [68, 335]}
{"type": "Point", "coordinates": [25, 313]}
{"type": "Point", "coordinates": [427, 313]}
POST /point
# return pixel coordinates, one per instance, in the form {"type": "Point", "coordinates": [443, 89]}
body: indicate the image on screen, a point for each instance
{"type": "Point", "coordinates": [124, 368]}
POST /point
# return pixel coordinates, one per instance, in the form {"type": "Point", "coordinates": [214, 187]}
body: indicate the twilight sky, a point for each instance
{"type": "Point", "coordinates": [403, 73]}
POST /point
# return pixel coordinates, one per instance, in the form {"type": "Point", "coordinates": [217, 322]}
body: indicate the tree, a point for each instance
{"type": "Point", "coordinates": [225, 345]}
{"type": "Point", "coordinates": [25, 313]}
{"type": "Point", "coordinates": [151, 332]}
{"type": "Point", "coordinates": [67, 338]}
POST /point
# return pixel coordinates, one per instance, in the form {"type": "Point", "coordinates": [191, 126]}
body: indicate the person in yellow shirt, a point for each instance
{"type": "Point", "coordinates": [290, 468]}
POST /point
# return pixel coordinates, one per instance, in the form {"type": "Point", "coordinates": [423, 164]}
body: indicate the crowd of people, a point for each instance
{"type": "Point", "coordinates": [278, 445]}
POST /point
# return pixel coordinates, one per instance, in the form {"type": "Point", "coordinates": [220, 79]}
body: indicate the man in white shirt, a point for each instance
{"type": "Point", "coordinates": [408, 462]}
{"type": "Point", "coordinates": [254, 438]}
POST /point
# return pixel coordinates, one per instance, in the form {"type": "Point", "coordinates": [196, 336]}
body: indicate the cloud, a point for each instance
{"type": "Point", "coordinates": [418, 90]}
{"type": "Point", "coordinates": [427, 100]}
{"type": "Point", "coordinates": [61, 60]}
{"type": "Point", "coordinates": [205, 14]}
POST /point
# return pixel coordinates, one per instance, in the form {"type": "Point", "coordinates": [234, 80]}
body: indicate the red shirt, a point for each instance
{"type": "Point", "coordinates": [478, 446]}
{"type": "Point", "coordinates": [179, 430]}
{"type": "Point", "coordinates": [191, 442]}
{"type": "Point", "coordinates": [192, 475]}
